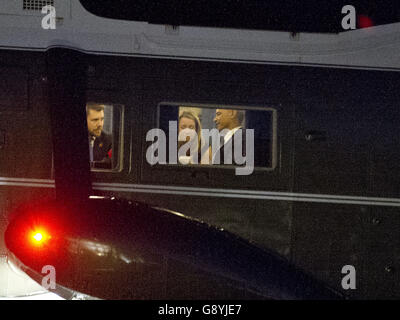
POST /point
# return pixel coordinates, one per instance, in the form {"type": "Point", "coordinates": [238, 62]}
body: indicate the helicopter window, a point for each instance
{"type": "Point", "coordinates": [211, 135]}
{"type": "Point", "coordinates": [104, 135]}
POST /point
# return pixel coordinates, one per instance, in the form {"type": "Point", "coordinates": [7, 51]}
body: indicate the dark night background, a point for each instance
{"type": "Point", "coordinates": [294, 16]}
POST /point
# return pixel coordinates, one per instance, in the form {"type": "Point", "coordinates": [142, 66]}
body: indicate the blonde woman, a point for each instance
{"type": "Point", "coordinates": [188, 124]}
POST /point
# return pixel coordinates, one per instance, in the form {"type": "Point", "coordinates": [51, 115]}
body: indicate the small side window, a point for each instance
{"type": "Point", "coordinates": [104, 135]}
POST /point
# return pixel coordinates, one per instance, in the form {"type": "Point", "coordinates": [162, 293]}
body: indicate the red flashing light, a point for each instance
{"type": "Point", "coordinates": [39, 237]}
{"type": "Point", "coordinates": [365, 21]}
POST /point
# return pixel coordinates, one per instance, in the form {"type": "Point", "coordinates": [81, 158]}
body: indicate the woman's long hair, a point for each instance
{"type": "Point", "coordinates": [190, 115]}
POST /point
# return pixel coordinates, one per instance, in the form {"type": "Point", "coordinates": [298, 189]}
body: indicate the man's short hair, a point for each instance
{"type": "Point", "coordinates": [94, 106]}
{"type": "Point", "coordinates": [240, 116]}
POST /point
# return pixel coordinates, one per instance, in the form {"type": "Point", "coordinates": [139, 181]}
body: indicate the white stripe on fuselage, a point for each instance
{"type": "Point", "coordinates": [213, 192]}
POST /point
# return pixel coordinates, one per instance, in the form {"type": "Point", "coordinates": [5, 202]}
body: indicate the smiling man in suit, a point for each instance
{"type": "Point", "coordinates": [229, 124]}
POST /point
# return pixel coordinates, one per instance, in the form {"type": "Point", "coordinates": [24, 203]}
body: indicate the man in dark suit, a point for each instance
{"type": "Point", "coordinates": [100, 143]}
{"type": "Point", "coordinates": [229, 124]}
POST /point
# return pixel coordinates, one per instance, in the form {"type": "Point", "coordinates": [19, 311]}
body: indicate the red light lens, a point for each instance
{"type": "Point", "coordinates": [365, 21]}
{"type": "Point", "coordinates": [39, 237]}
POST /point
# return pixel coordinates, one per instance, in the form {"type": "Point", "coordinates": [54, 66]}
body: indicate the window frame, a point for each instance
{"type": "Point", "coordinates": [274, 140]}
{"type": "Point", "coordinates": [120, 163]}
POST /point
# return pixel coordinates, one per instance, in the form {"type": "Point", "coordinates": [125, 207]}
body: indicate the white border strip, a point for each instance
{"type": "Point", "coordinates": [213, 192]}
{"type": "Point", "coordinates": [248, 194]}
{"type": "Point", "coordinates": [121, 186]}
{"type": "Point", "coordinates": [8, 179]}
{"type": "Point", "coordinates": [23, 182]}
{"type": "Point", "coordinates": [207, 59]}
